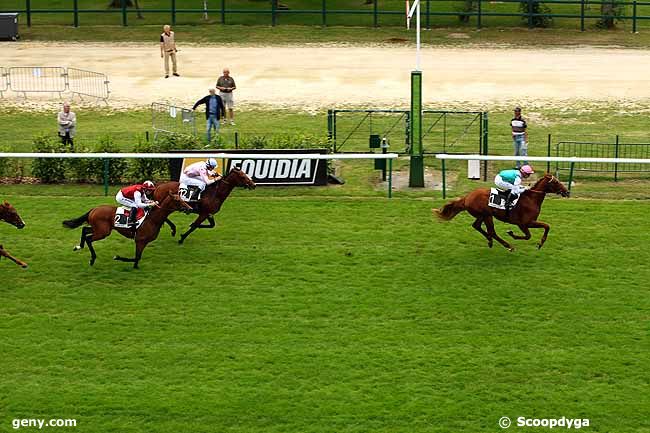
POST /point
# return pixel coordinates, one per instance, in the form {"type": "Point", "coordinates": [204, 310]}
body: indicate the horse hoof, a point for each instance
{"type": "Point", "coordinates": [539, 246]}
{"type": "Point", "coordinates": [174, 233]}
{"type": "Point", "coordinates": [24, 266]}
{"type": "Point", "coordinates": [77, 248]}
{"type": "Point", "coordinates": [92, 262]}
{"type": "Point", "coordinates": [511, 249]}
{"type": "Point", "coordinates": [180, 241]}
{"type": "Point", "coordinates": [116, 257]}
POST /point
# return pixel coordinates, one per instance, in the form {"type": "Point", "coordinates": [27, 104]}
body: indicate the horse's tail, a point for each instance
{"type": "Point", "coordinates": [76, 222]}
{"type": "Point", "coordinates": [451, 209]}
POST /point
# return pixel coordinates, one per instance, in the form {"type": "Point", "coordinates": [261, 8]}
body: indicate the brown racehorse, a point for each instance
{"type": "Point", "coordinates": [211, 200]}
{"type": "Point", "coordinates": [101, 221]}
{"type": "Point", "coordinates": [524, 215]}
{"type": "Point", "coordinates": [9, 214]}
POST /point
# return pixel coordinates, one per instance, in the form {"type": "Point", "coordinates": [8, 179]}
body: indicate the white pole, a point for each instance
{"type": "Point", "coordinates": [417, 49]}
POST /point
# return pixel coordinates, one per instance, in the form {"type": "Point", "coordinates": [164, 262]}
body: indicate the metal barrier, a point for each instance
{"type": "Point", "coordinates": [591, 149]}
{"type": "Point", "coordinates": [572, 161]}
{"type": "Point", "coordinates": [88, 83]}
{"type": "Point", "coordinates": [535, 13]}
{"type": "Point", "coordinates": [442, 131]}
{"type": "Point", "coordinates": [42, 79]}
{"type": "Point", "coordinates": [54, 79]}
{"type": "Point", "coordinates": [170, 119]}
{"type": "Point", "coordinates": [4, 84]}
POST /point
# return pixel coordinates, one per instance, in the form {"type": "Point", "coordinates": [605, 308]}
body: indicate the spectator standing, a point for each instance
{"type": "Point", "coordinates": [519, 136]}
{"type": "Point", "coordinates": [226, 84]}
{"type": "Point", "coordinates": [168, 49]}
{"type": "Point", "coordinates": [214, 111]}
{"type": "Point", "coordinates": [67, 121]}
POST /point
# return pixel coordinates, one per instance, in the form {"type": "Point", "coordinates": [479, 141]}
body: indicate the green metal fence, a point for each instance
{"type": "Point", "coordinates": [442, 131]}
{"type": "Point", "coordinates": [435, 13]}
{"type": "Point", "coordinates": [615, 148]}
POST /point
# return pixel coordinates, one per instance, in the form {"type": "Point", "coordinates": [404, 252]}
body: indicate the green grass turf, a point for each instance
{"type": "Point", "coordinates": [307, 314]}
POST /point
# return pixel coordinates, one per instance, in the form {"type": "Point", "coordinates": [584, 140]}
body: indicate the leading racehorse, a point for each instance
{"type": "Point", "coordinates": [102, 218]}
{"type": "Point", "coordinates": [211, 199]}
{"type": "Point", "coordinates": [10, 215]}
{"type": "Point", "coordinates": [524, 215]}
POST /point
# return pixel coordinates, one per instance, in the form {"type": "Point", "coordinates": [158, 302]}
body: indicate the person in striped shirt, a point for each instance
{"type": "Point", "coordinates": [519, 136]}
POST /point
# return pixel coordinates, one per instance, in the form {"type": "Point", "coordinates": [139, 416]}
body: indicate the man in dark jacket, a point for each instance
{"type": "Point", "coordinates": [214, 111]}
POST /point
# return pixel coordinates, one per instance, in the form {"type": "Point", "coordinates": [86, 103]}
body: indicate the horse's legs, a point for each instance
{"type": "Point", "coordinates": [85, 231]}
{"type": "Point", "coordinates": [524, 229]}
{"type": "Point", "coordinates": [139, 247]}
{"type": "Point", "coordinates": [5, 253]}
{"type": "Point", "coordinates": [537, 225]}
{"type": "Point", "coordinates": [489, 223]}
{"type": "Point", "coordinates": [196, 225]}
{"type": "Point", "coordinates": [93, 236]}
{"type": "Point", "coordinates": [478, 227]}
{"type": "Point", "coordinates": [171, 225]}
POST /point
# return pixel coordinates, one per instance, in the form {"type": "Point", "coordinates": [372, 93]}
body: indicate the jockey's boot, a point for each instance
{"type": "Point", "coordinates": [133, 217]}
{"type": "Point", "coordinates": [509, 201]}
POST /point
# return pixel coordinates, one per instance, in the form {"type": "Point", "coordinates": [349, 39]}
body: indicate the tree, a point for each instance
{"type": "Point", "coordinates": [128, 4]}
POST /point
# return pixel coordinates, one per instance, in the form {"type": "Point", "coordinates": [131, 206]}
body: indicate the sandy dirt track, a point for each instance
{"type": "Point", "coordinates": [316, 77]}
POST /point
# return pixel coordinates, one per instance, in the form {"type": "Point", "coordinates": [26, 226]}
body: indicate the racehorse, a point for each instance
{"type": "Point", "coordinates": [211, 199]}
{"type": "Point", "coordinates": [9, 214]}
{"type": "Point", "coordinates": [101, 221]}
{"type": "Point", "coordinates": [524, 215]}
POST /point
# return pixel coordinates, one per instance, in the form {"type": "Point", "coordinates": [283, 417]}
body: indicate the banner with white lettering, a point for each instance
{"type": "Point", "coordinates": [290, 171]}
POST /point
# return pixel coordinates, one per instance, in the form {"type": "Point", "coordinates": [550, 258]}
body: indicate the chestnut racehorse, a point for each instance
{"type": "Point", "coordinates": [211, 200]}
{"type": "Point", "coordinates": [101, 219]}
{"type": "Point", "coordinates": [9, 214]}
{"type": "Point", "coordinates": [524, 215]}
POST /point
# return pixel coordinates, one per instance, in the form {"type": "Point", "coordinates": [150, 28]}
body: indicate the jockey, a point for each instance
{"type": "Point", "coordinates": [510, 180]}
{"type": "Point", "coordinates": [136, 197]}
{"type": "Point", "coordinates": [200, 174]}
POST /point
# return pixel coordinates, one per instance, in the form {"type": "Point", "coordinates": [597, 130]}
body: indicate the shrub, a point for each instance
{"type": "Point", "coordinates": [535, 7]}
{"type": "Point", "coordinates": [141, 169]}
{"type": "Point", "coordinates": [48, 170]}
{"type": "Point", "coordinates": [116, 166]}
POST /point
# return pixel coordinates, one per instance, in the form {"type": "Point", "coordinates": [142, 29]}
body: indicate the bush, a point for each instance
{"type": "Point", "coordinates": [537, 8]}
{"type": "Point", "coordinates": [116, 166]}
{"type": "Point", "coordinates": [80, 169]}
{"type": "Point", "coordinates": [142, 169]}
{"type": "Point", "coordinates": [49, 170]}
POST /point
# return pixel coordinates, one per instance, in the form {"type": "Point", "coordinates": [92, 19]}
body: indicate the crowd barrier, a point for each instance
{"type": "Point", "coordinates": [4, 84]}
{"type": "Point", "coordinates": [54, 79]}
{"type": "Point", "coordinates": [170, 119]}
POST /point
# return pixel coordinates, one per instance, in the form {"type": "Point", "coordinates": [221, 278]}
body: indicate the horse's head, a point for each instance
{"type": "Point", "coordinates": [176, 202]}
{"type": "Point", "coordinates": [9, 214]}
{"type": "Point", "coordinates": [554, 186]}
{"type": "Point", "coordinates": [238, 177]}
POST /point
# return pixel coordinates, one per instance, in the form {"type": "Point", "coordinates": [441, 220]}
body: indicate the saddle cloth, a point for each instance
{"type": "Point", "coordinates": [498, 198]}
{"type": "Point", "coordinates": [122, 218]}
{"type": "Point", "coordinates": [191, 194]}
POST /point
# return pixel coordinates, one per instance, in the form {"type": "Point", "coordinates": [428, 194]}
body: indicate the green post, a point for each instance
{"type": "Point", "coordinates": [416, 171]}
{"type": "Point", "coordinates": [616, 156]}
{"type": "Point", "coordinates": [548, 153]}
{"type": "Point", "coordinates": [75, 8]}
{"type": "Point", "coordinates": [390, 178]}
{"type": "Point", "coordinates": [444, 180]}
{"type": "Point", "coordinates": [530, 14]}
{"type": "Point", "coordinates": [571, 174]}
{"type": "Point", "coordinates": [223, 11]}
{"type": "Point", "coordinates": [28, 10]}
{"type": "Point", "coordinates": [124, 19]}
{"type": "Point", "coordinates": [324, 13]}
{"type": "Point", "coordinates": [105, 176]}
{"type": "Point", "coordinates": [173, 12]}
{"type": "Point", "coordinates": [582, 15]}
{"type": "Point", "coordinates": [634, 16]}
{"type": "Point", "coordinates": [478, 17]}
{"type": "Point", "coordinates": [375, 12]}
{"type": "Point", "coordinates": [274, 8]}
